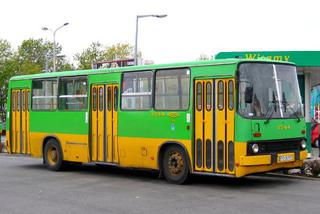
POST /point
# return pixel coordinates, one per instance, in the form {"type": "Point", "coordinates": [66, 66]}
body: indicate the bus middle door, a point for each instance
{"type": "Point", "coordinates": [104, 123]}
{"type": "Point", "coordinates": [214, 125]}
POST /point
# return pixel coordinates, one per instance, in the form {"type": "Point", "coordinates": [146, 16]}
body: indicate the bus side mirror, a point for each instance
{"type": "Point", "coordinates": [248, 94]}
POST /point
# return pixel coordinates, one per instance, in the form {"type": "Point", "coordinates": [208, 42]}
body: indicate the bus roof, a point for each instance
{"type": "Point", "coordinates": [141, 67]}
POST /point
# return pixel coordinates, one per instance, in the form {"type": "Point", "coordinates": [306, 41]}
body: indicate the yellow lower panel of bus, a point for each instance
{"type": "Point", "coordinates": [133, 152]}
{"type": "Point", "coordinates": [245, 165]}
{"type": "Point", "coordinates": [74, 147]}
{"type": "Point", "coordinates": [246, 170]}
{"type": "Point", "coordinates": [255, 160]}
{"type": "Point", "coordinates": [143, 152]}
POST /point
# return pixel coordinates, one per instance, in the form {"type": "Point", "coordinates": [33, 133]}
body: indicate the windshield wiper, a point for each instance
{"type": "Point", "coordinates": [284, 102]}
{"type": "Point", "coordinates": [271, 113]}
{"type": "Point", "coordinates": [271, 109]}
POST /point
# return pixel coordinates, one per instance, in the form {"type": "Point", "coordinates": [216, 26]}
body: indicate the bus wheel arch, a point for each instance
{"type": "Point", "coordinates": [51, 145]}
{"type": "Point", "coordinates": [181, 152]}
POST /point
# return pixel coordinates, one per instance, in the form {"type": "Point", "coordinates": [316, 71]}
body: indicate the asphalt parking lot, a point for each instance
{"type": "Point", "coordinates": [26, 186]}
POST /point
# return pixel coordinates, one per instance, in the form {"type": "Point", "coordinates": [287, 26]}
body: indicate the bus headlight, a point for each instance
{"type": "Point", "coordinates": [255, 148]}
{"type": "Point", "coordinates": [303, 144]}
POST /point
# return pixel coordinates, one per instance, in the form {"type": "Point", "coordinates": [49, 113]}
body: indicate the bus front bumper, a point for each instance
{"type": "Point", "coordinates": [263, 163]}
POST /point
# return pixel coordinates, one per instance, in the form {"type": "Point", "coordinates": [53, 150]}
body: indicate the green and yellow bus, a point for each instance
{"type": "Point", "coordinates": [230, 117]}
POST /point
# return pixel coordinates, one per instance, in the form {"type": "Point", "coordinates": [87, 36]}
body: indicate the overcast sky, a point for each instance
{"type": "Point", "coordinates": [191, 28]}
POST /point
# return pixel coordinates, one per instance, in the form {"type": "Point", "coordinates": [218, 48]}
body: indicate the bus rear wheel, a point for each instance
{"type": "Point", "coordinates": [175, 165]}
{"type": "Point", "coordinates": [53, 158]}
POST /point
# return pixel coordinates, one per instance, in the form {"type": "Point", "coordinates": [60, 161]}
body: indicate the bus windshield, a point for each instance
{"type": "Point", "coordinates": [268, 90]}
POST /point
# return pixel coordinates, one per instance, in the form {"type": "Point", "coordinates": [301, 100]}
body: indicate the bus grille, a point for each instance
{"type": "Point", "coordinates": [275, 146]}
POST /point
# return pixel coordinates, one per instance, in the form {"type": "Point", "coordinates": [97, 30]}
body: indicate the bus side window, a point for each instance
{"type": "Point", "coordinates": [18, 103]}
{"type": "Point", "coordinates": [28, 100]}
{"type": "Point", "coordinates": [136, 91]}
{"type": "Point", "coordinates": [220, 95]}
{"type": "Point", "coordinates": [230, 95]}
{"type": "Point", "coordinates": [94, 101]}
{"type": "Point", "coordinates": [208, 96]}
{"type": "Point", "coordinates": [101, 99]}
{"type": "Point", "coordinates": [13, 100]}
{"type": "Point", "coordinates": [44, 94]}
{"type": "Point", "coordinates": [199, 96]}
{"type": "Point", "coordinates": [115, 98]}
{"type": "Point", "coordinates": [109, 99]}
{"type": "Point", "coordinates": [23, 100]}
{"type": "Point", "coordinates": [73, 93]}
{"type": "Point", "coordinates": [172, 89]}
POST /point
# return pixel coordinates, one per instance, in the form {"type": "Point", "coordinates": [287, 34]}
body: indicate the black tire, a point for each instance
{"type": "Point", "coordinates": [53, 156]}
{"type": "Point", "coordinates": [175, 165]}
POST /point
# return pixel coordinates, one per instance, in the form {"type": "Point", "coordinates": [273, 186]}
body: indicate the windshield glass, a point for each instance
{"type": "Point", "coordinates": [269, 90]}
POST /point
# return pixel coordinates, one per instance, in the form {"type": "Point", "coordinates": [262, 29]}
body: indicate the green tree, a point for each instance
{"type": "Point", "coordinates": [64, 65]}
{"type": "Point", "coordinates": [97, 52]}
{"type": "Point", "coordinates": [32, 55]}
{"type": "Point", "coordinates": [5, 50]}
{"type": "Point", "coordinates": [118, 51]}
{"type": "Point", "coordinates": [91, 54]}
{"type": "Point", "coordinates": [7, 68]}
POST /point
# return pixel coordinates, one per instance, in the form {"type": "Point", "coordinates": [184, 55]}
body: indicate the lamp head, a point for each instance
{"type": "Point", "coordinates": [161, 16]}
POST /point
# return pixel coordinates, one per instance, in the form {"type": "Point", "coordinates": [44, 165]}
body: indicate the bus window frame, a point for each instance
{"type": "Point", "coordinates": [221, 103]}
{"type": "Point", "coordinates": [190, 90]}
{"type": "Point", "coordinates": [236, 88]}
{"type": "Point", "coordinates": [197, 95]}
{"type": "Point", "coordinates": [231, 108]}
{"type": "Point", "coordinates": [44, 110]}
{"type": "Point", "coordinates": [115, 98]}
{"type": "Point", "coordinates": [152, 92]}
{"type": "Point", "coordinates": [88, 94]}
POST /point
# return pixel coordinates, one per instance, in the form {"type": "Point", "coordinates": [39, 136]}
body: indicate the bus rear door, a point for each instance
{"type": "Point", "coordinates": [20, 132]}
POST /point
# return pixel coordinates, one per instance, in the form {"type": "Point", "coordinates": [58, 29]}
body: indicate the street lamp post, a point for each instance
{"type": "Point", "coordinates": [54, 42]}
{"type": "Point", "coordinates": [136, 41]}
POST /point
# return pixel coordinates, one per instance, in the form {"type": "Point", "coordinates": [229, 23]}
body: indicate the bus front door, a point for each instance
{"type": "Point", "coordinates": [214, 125]}
{"type": "Point", "coordinates": [20, 132]}
{"type": "Point", "coordinates": [104, 123]}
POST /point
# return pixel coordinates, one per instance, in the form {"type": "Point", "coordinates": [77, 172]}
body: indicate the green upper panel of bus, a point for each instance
{"type": "Point", "coordinates": [143, 67]}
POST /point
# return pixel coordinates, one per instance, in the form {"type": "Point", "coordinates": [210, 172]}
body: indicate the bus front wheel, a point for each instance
{"type": "Point", "coordinates": [53, 158]}
{"type": "Point", "coordinates": [175, 165]}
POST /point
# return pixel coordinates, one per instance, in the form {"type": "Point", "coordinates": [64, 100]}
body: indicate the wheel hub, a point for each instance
{"type": "Point", "coordinates": [175, 163]}
{"type": "Point", "coordinates": [53, 156]}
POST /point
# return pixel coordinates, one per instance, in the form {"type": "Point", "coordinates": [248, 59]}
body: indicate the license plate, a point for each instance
{"type": "Point", "coordinates": [285, 158]}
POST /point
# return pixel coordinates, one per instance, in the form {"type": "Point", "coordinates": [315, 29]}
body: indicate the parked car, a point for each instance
{"type": "Point", "coordinates": [315, 135]}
